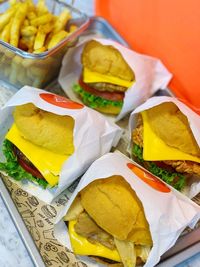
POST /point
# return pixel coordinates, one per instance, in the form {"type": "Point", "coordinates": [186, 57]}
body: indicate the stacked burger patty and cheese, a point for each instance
{"type": "Point", "coordinates": [107, 221]}
{"type": "Point", "coordinates": [37, 145]}
{"type": "Point", "coordinates": [105, 78]}
{"type": "Point", "coordinates": [164, 144]}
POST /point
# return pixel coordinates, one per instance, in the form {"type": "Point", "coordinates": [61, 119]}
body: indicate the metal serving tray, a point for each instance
{"type": "Point", "coordinates": [34, 219]}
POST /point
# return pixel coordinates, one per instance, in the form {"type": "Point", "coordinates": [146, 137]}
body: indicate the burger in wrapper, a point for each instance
{"type": "Point", "coordinates": [105, 78]}
{"type": "Point", "coordinates": [123, 215]}
{"type": "Point", "coordinates": [107, 222]}
{"type": "Point", "coordinates": [51, 140]}
{"type": "Point", "coordinates": [37, 144]}
{"type": "Point", "coordinates": [163, 143]}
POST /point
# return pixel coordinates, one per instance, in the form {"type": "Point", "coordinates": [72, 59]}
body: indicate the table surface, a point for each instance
{"type": "Point", "coordinates": [12, 249]}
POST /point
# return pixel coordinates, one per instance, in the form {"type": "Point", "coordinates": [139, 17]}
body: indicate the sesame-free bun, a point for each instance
{"type": "Point", "coordinates": [106, 59]}
{"type": "Point", "coordinates": [45, 129]}
{"type": "Point", "coordinates": [109, 109]}
{"type": "Point", "coordinates": [115, 207]}
{"type": "Point", "coordinates": [172, 126]}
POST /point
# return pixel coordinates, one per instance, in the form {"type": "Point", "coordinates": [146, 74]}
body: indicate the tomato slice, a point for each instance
{"type": "Point", "coordinates": [113, 96]}
{"type": "Point", "coordinates": [30, 169]}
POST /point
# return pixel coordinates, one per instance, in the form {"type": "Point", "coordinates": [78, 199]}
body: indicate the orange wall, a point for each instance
{"type": "Point", "coordinates": [167, 29]}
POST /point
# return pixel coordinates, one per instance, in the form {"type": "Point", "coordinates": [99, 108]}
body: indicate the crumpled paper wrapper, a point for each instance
{"type": "Point", "coordinates": [93, 137]}
{"type": "Point", "coordinates": [167, 211]}
{"type": "Point", "coordinates": [150, 75]}
{"type": "Point", "coordinates": [193, 186]}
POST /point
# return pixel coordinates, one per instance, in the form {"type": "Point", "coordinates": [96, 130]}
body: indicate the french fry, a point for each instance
{"type": "Point", "coordinates": [3, 60]}
{"type": "Point", "coordinates": [5, 34]}
{"type": "Point", "coordinates": [44, 19]}
{"type": "Point", "coordinates": [23, 45]}
{"type": "Point", "coordinates": [47, 28]}
{"type": "Point", "coordinates": [31, 7]}
{"type": "Point", "coordinates": [9, 54]}
{"type": "Point", "coordinates": [5, 18]}
{"type": "Point", "coordinates": [16, 65]}
{"type": "Point", "coordinates": [13, 72]}
{"type": "Point", "coordinates": [27, 63]}
{"type": "Point", "coordinates": [31, 15]}
{"type": "Point", "coordinates": [23, 78]}
{"type": "Point", "coordinates": [62, 20]}
{"type": "Point", "coordinates": [41, 8]}
{"type": "Point", "coordinates": [7, 71]}
{"type": "Point", "coordinates": [29, 41]}
{"type": "Point", "coordinates": [17, 60]}
{"type": "Point", "coordinates": [40, 50]}
{"type": "Point", "coordinates": [41, 35]}
{"type": "Point", "coordinates": [26, 23]}
{"type": "Point", "coordinates": [16, 24]}
{"type": "Point", "coordinates": [28, 31]}
{"type": "Point", "coordinates": [72, 28]}
{"type": "Point", "coordinates": [56, 38]}
{"type": "Point", "coordinates": [38, 72]}
{"type": "Point", "coordinates": [39, 39]}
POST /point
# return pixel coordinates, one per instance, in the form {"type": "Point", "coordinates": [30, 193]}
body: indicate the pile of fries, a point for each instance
{"type": "Point", "coordinates": [33, 28]}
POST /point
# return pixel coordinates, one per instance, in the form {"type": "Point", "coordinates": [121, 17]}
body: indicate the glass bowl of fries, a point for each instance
{"type": "Point", "coordinates": [34, 36]}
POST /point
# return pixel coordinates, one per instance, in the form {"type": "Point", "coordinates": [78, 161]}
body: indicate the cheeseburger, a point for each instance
{"type": "Point", "coordinates": [164, 144]}
{"type": "Point", "coordinates": [37, 145]}
{"type": "Point", "coordinates": [104, 79]}
{"type": "Point", "coordinates": [107, 222]}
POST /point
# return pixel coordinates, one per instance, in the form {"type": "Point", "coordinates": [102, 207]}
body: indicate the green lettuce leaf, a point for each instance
{"type": "Point", "coordinates": [14, 170]}
{"type": "Point", "coordinates": [175, 179]}
{"type": "Point", "coordinates": [94, 101]}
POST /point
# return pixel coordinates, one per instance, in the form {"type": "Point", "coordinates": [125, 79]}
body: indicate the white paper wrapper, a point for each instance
{"type": "Point", "coordinates": [168, 213]}
{"type": "Point", "coordinates": [150, 74]}
{"type": "Point", "coordinates": [193, 186]}
{"type": "Point", "coordinates": [93, 137]}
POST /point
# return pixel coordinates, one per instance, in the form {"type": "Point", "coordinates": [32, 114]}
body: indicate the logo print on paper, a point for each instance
{"type": "Point", "coordinates": [60, 101]}
{"type": "Point", "coordinates": [149, 179]}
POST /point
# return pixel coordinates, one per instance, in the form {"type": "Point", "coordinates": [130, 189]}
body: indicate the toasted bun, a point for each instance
{"type": "Point", "coordinates": [140, 234]}
{"type": "Point", "coordinates": [106, 59]}
{"type": "Point", "coordinates": [51, 131]}
{"type": "Point", "coordinates": [112, 110]}
{"type": "Point", "coordinates": [172, 126]}
{"type": "Point", "coordinates": [114, 206]}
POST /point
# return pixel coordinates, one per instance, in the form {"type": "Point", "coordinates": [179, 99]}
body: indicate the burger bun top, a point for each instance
{"type": "Point", "coordinates": [45, 129]}
{"type": "Point", "coordinates": [172, 126]}
{"type": "Point", "coordinates": [106, 59]}
{"type": "Point", "coordinates": [115, 207]}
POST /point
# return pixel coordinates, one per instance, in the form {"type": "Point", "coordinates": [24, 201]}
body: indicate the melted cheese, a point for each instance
{"type": "Point", "coordinates": [47, 162]}
{"type": "Point", "coordinates": [94, 77]}
{"type": "Point", "coordinates": [155, 148]}
{"type": "Point", "coordinates": [82, 246]}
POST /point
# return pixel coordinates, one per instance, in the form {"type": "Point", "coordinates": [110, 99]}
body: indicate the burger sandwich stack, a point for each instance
{"type": "Point", "coordinates": [48, 141]}
{"type": "Point", "coordinates": [121, 215]}
{"type": "Point", "coordinates": [165, 140]}
{"type": "Point", "coordinates": [109, 77]}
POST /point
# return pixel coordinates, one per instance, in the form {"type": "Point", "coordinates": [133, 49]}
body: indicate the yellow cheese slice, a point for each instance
{"type": "Point", "coordinates": [81, 246]}
{"type": "Point", "coordinates": [94, 77]}
{"type": "Point", "coordinates": [47, 162]}
{"type": "Point", "coordinates": [155, 148]}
